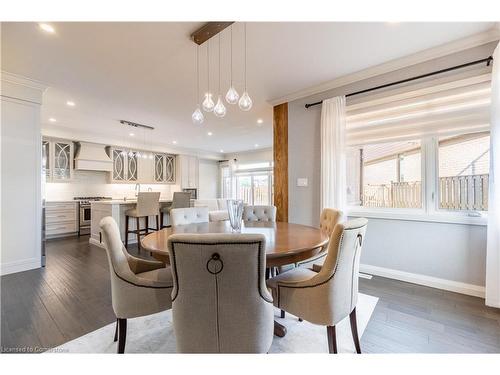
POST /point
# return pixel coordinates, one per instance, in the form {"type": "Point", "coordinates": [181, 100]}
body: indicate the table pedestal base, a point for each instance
{"type": "Point", "coordinates": [279, 329]}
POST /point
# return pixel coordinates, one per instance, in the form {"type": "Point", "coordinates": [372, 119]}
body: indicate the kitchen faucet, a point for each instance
{"type": "Point", "coordinates": [137, 189]}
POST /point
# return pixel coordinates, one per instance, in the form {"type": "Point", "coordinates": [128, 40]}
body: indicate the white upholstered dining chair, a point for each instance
{"type": "Point", "coordinates": [139, 287]}
{"type": "Point", "coordinates": [220, 303]}
{"type": "Point", "coordinates": [191, 215]}
{"type": "Point", "coordinates": [330, 295]}
{"type": "Point", "coordinates": [259, 213]}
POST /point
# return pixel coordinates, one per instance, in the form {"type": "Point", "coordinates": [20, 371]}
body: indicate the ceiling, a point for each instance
{"type": "Point", "coordinates": [145, 72]}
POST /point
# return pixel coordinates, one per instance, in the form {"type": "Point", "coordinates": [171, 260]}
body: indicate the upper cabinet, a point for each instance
{"type": "Point", "coordinates": [57, 160]}
{"type": "Point", "coordinates": [164, 168]}
{"type": "Point", "coordinates": [129, 167]}
{"type": "Point", "coordinates": [188, 171]}
{"type": "Point", "coordinates": [125, 168]}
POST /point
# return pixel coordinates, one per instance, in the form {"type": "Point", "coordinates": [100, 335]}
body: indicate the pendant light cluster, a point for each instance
{"type": "Point", "coordinates": [232, 97]}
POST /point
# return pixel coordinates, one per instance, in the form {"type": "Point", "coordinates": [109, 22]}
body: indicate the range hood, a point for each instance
{"type": "Point", "coordinates": [92, 157]}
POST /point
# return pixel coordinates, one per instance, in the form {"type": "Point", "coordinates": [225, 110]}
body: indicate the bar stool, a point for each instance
{"type": "Point", "coordinates": [180, 200]}
{"type": "Point", "coordinates": [148, 204]}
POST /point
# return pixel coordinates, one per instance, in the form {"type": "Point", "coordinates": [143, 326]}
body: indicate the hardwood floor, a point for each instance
{"type": "Point", "coordinates": [72, 296]}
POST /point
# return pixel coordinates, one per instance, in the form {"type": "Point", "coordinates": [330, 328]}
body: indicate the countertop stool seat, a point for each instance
{"type": "Point", "coordinates": [179, 200]}
{"type": "Point", "coordinates": [148, 204]}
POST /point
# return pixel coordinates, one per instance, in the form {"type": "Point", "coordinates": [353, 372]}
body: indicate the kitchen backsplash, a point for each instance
{"type": "Point", "coordinates": [90, 183]}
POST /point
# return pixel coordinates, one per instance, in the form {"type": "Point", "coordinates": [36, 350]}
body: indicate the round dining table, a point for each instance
{"type": "Point", "coordinates": [286, 243]}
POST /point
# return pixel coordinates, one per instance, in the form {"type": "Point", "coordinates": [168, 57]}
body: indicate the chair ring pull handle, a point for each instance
{"type": "Point", "coordinates": [215, 264]}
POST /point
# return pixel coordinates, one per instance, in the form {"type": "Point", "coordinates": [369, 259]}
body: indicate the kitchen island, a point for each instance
{"type": "Point", "coordinates": [116, 208]}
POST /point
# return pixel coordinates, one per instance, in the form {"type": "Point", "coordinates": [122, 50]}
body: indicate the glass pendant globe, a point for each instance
{"type": "Point", "coordinates": [232, 96]}
{"type": "Point", "coordinates": [219, 109]}
{"type": "Point", "coordinates": [197, 116]}
{"type": "Point", "coordinates": [208, 103]}
{"type": "Point", "coordinates": [245, 103]}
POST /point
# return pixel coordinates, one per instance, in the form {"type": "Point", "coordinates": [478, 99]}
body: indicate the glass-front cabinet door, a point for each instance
{"type": "Point", "coordinates": [46, 164]}
{"type": "Point", "coordinates": [57, 160]}
{"type": "Point", "coordinates": [62, 160]}
{"type": "Point", "coordinates": [164, 168]}
{"type": "Point", "coordinates": [132, 166]}
{"type": "Point", "coordinates": [119, 165]}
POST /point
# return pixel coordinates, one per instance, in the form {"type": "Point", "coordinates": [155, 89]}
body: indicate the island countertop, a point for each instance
{"type": "Point", "coordinates": [122, 201]}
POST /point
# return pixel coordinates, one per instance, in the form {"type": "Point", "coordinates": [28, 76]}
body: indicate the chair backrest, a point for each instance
{"type": "Point", "coordinates": [220, 302]}
{"type": "Point", "coordinates": [148, 204]}
{"type": "Point", "coordinates": [119, 268]}
{"type": "Point", "coordinates": [338, 278]}
{"type": "Point", "coordinates": [328, 219]}
{"type": "Point", "coordinates": [259, 213]}
{"type": "Point", "coordinates": [181, 200]}
{"type": "Point", "coordinates": [191, 215]}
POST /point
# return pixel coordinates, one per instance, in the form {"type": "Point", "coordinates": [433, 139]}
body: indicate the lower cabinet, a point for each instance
{"type": "Point", "coordinates": [61, 219]}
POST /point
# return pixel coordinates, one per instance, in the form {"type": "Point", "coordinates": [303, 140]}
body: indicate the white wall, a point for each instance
{"type": "Point", "coordinates": [208, 179]}
{"type": "Point", "coordinates": [448, 251]}
{"type": "Point", "coordinates": [20, 174]}
{"type": "Point", "coordinates": [256, 156]}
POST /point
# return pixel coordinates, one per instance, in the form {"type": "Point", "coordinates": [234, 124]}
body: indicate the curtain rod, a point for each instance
{"type": "Point", "coordinates": [487, 60]}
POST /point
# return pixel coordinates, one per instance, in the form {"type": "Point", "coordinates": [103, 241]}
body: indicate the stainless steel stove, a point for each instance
{"type": "Point", "coordinates": [85, 212]}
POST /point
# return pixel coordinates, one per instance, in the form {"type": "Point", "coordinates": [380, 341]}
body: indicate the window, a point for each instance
{"type": "Point", "coordinates": [387, 175]}
{"type": "Point", "coordinates": [252, 182]}
{"type": "Point", "coordinates": [464, 162]}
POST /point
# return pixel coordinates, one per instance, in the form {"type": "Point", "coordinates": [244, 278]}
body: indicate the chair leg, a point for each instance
{"type": "Point", "coordinates": [116, 332]}
{"type": "Point", "coordinates": [268, 273]}
{"type": "Point", "coordinates": [161, 220]}
{"type": "Point", "coordinates": [126, 231]}
{"type": "Point", "coordinates": [138, 224]}
{"type": "Point", "coordinates": [122, 335]}
{"type": "Point", "coordinates": [157, 222]}
{"type": "Point", "coordinates": [354, 330]}
{"type": "Point", "coordinates": [332, 339]}
{"type": "Point", "coordinates": [147, 224]}
{"type": "Point", "coordinates": [282, 313]}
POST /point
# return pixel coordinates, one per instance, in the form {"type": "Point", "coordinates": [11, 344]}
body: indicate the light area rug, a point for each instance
{"type": "Point", "coordinates": [155, 334]}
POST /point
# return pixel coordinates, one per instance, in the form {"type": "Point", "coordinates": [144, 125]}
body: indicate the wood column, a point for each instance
{"type": "Point", "coordinates": [280, 151]}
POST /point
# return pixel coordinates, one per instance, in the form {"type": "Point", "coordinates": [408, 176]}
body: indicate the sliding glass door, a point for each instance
{"type": "Point", "coordinates": [255, 188]}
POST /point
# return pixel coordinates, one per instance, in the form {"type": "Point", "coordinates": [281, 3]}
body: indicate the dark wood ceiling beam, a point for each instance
{"type": "Point", "coordinates": [209, 30]}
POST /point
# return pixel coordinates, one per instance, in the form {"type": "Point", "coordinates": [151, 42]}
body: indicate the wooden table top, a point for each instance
{"type": "Point", "coordinates": [285, 243]}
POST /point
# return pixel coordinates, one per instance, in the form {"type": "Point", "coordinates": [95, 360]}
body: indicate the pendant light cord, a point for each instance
{"type": "Point", "coordinates": [219, 63]}
{"type": "Point", "coordinates": [198, 75]}
{"type": "Point", "coordinates": [231, 49]}
{"type": "Point", "coordinates": [245, 56]}
{"type": "Point", "coordinates": [208, 66]}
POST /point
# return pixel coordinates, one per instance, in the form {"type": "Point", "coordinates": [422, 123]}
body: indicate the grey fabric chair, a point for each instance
{"type": "Point", "coordinates": [139, 287]}
{"type": "Point", "coordinates": [220, 302]}
{"type": "Point", "coordinates": [191, 215]}
{"type": "Point", "coordinates": [180, 200]}
{"type": "Point", "coordinates": [259, 213]}
{"type": "Point", "coordinates": [148, 204]}
{"type": "Point", "coordinates": [330, 295]}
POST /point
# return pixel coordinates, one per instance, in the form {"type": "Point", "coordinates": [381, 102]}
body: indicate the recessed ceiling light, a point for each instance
{"type": "Point", "coordinates": [70, 103]}
{"type": "Point", "coordinates": [222, 151]}
{"type": "Point", "coordinates": [47, 28]}
{"type": "Point", "coordinates": [210, 133]}
{"type": "Point", "coordinates": [256, 145]}
{"type": "Point", "coordinates": [260, 121]}
{"type": "Point", "coordinates": [52, 119]}
{"type": "Point", "coordinates": [174, 142]}
{"type": "Point", "coordinates": [131, 134]}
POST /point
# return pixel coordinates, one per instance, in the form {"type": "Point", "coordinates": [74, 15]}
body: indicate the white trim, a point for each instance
{"type": "Point", "coordinates": [433, 282]}
{"type": "Point", "coordinates": [432, 53]}
{"type": "Point", "coordinates": [93, 241]}
{"type": "Point", "coordinates": [20, 266]}
{"type": "Point", "coordinates": [432, 218]}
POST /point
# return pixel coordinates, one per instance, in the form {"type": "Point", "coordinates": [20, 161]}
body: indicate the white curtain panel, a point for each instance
{"type": "Point", "coordinates": [493, 247]}
{"type": "Point", "coordinates": [333, 153]}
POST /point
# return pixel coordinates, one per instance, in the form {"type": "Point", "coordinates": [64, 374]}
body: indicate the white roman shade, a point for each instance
{"type": "Point", "coordinates": [447, 105]}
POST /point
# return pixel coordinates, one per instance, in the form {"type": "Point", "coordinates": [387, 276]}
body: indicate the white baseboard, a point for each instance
{"type": "Point", "coordinates": [433, 282]}
{"type": "Point", "coordinates": [20, 266]}
{"type": "Point", "coordinates": [96, 243]}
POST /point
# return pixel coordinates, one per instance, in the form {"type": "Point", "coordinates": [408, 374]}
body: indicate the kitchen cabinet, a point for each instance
{"type": "Point", "coordinates": [164, 168]}
{"type": "Point", "coordinates": [61, 219]}
{"type": "Point", "coordinates": [57, 160]}
{"type": "Point", "coordinates": [125, 165]}
{"type": "Point", "coordinates": [188, 166]}
{"type": "Point", "coordinates": [130, 167]}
